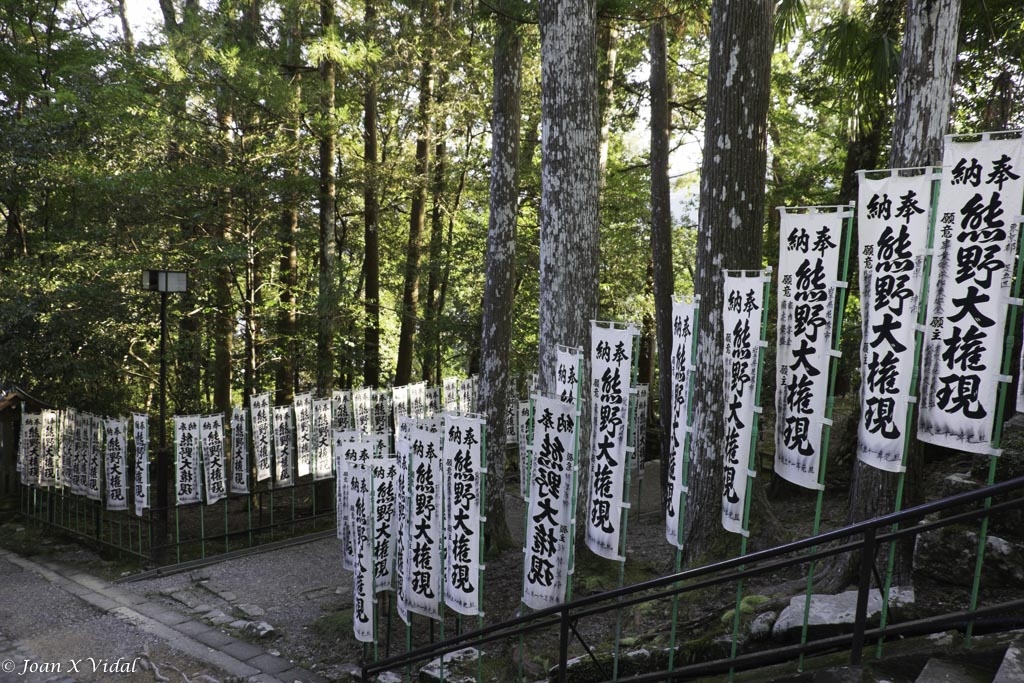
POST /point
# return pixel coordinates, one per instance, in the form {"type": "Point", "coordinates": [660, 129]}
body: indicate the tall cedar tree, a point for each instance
{"type": "Point", "coordinates": [730, 222]}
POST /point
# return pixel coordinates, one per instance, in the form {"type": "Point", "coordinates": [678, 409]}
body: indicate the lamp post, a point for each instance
{"type": "Point", "coordinates": [164, 282]}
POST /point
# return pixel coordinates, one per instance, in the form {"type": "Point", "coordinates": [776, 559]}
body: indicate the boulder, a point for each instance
{"type": "Point", "coordinates": [831, 615]}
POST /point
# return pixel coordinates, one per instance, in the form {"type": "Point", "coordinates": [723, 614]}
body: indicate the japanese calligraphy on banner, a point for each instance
{"type": "Point", "coordinates": [239, 451]}
{"type": "Point", "coordinates": [283, 449]}
{"type": "Point", "coordinates": [450, 394]}
{"type": "Point", "coordinates": [567, 373]}
{"type": "Point", "coordinates": [523, 418]}
{"type": "Point", "coordinates": [808, 266]}
{"type": "Point", "coordinates": [400, 402]}
{"type": "Point", "coordinates": [683, 349]}
{"type": "Point", "coordinates": [211, 431]}
{"type": "Point", "coordinates": [67, 447]}
{"type": "Point", "coordinates": [360, 494]}
{"type": "Point", "coordinates": [80, 453]}
{"type": "Point", "coordinates": [322, 450]}
{"type": "Point", "coordinates": [48, 462]}
{"type": "Point", "coordinates": [116, 441]}
{"type": "Point", "coordinates": [350, 448]}
{"type": "Point", "coordinates": [304, 433]}
{"type": "Point", "coordinates": [262, 436]}
{"type": "Point", "coordinates": [549, 519]}
{"type": "Point", "coordinates": [511, 416]}
{"type": "Point", "coordinates": [640, 428]}
{"type": "Point", "coordinates": [94, 464]}
{"type": "Point", "coordinates": [418, 400]}
{"type": "Point", "coordinates": [461, 466]}
{"type": "Point", "coordinates": [402, 506]}
{"type": "Point", "coordinates": [29, 448]}
{"type": "Point", "coordinates": [385, 474]}
{"type": "Point", "coordinates": [341, 409]}
{"type": "Point", "coordinates": [186, 438]}
{"type": "Point", "coordinates": [893, 220]}
{"type": "Point", "coordinates": [362, 409]}
{"type": "Point", "coordinates": [432, 398]}
{"type": "Point", "coordinates": [140, 434]}
{"type": "Point", "coordinates": [743, 296]}
{"type": "Point", "coordinates": [382, 409]}
{"type": "Point", "coordinates": [977, 231]}
{"type": "Point", "coordinates": [612, 366]}
{"type": "Point", "coordinates": [467, 395]}
{"type": "Point", "coordinates": [422, 571]}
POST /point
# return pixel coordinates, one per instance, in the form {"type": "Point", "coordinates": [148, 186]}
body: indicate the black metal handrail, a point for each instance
{"type": "Point", "coordinates": [871, 535]}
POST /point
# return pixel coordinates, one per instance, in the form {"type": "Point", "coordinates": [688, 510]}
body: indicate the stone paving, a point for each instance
{"type": "Point", "coordinates": [60, 625]}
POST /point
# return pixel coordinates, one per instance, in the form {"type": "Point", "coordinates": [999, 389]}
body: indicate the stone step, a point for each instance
{"type": "Point", "coordinates": [1012, 668]}
{"type": "Point", "coordinates": [947, 671]}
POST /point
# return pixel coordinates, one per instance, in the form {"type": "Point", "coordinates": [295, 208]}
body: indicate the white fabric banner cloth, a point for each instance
{"type": "Point", "coordinates": [683, 327]}
{"type": "Point", "coordinates": [893, 220]}
{"type": "Point", "coordinates": [976, 237]}
{"type": "Point", "coordinates": [808, 266]}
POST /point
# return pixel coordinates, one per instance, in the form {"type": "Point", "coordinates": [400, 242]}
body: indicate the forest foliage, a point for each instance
{"type": "Point", "coordinates": [184, 143]}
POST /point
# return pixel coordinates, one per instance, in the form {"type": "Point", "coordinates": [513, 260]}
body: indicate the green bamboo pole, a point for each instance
{"type": "Point", "coordinates": [624, 514]}
{"type": "Point", "coordinates": [997, 435]}
{"type": "Point", "coordinates": [482, 545]}
{"type": "Point", "coordinates": [751, 462]}
{"type": "Point", "coordinates": [526, 518]}
{"type": "Point", "coordinates": [683, 484]}
{"type": "Point", "coordinates": [826, 428]}
{"type": "Point", "coordinates": [909, 424]}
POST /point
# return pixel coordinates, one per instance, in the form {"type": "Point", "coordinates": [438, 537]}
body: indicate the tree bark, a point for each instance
{"type": "Point", "coordinates": [730, 223]}
{"type": "Point", "coordinates": [371, 218]}
{"type": "Point", "coordinates": [327, 298]}
{"type": "Point", "coordinates": [661, 234]}
{"type": "Point", "coordinates": [417, 216]}
{"type": "Point", "coordinates": [496, 327]}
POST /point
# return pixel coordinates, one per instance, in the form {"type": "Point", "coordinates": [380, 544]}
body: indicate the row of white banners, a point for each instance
{"type": "Point", "coordinates": [430, 490]}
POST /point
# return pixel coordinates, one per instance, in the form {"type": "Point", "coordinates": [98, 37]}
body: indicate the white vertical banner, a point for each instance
{"type": "Point", "coordinates": [550, 513]}
{"type": "Point", "coordinates": [976, 235]}
{"type": "Point", "coordinates": [48, 453]}
{"type": "Point", "coordinates": [116, 441]}
{"type": "Point", "coordinates": [400, 402]}
{"type": "Point", "coordinates": [523, 418]}
{"type": "Point", "coordinates": [362, 410]}
{"type": "Point", "coordinates": [450, 394]}
{"type": "Point", "coordinates": [350, 449]}
{"type": "Point", "coordinates": [211, 432]}
{"type": "Point", "coordinates": [385, 475]}
{"type": "Point", "coordinates": [893, 222]}
{"type": "Point", "coordinates": [140, 435]}
{"type": "Point", "coordinates": [418, 400]}
{"type": "Point", "coordinates": [187, 477]}
{"type": "Point", "coordinates": [360, 493]}
{"type": "Point", "coordinates": [612, 368]}
{"type": "Point", "coordinates": [567, 373]}
{"type": "Point", "coordinates": [809, 240]}
{"type": "Point", "coordinates": [402, 505]}
{"type": "Point", "coordinates": [29, 448]}
{"type": "Point", "coordinates": [304, 434]}
{"type": "Point", "coordinates": [262, 434]}
{"type": "Point", "coordinates": [640, 429]}
{"type": "Point", "coordinates": [432, 397]}
{"type": "Point", "coordinates": [322, 450]}
{"type": "Point", "coordinates": [684, 321]}
{"type": "Point", "coordinates": [341, 408]}
{"type": "Point", "coordinates": [381, 417]}
{"type": "Point", "coordinates": [511, 417]}
{"type": "Point", "coordinates": [463, 513]}
{"type": "Point", "coordinates": [743, 298]}
{"type": "Point", "coordinates": [239, 450]}
{"type": "Point", "coordinates": [422, 559]}
{"type": "Point", "coordinates": [284, 434]}
{"type": "Point", "coordinates": [83, 428]}
{"type": "Point", "coordinates": [94, 466]}
{"type": "Point", "coordinates": [67, 448]}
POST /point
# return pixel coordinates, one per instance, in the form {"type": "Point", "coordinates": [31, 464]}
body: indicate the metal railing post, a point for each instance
{"type": "Point", "coordinates": [867, 560]}
{"type": "Point", "coordinates": [563, 642]}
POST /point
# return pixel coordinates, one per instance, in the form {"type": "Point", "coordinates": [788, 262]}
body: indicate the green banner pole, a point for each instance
{"type": "Point", "coordinates": [751, 460]}
{"type": "Point", "coordinates": [827, 427]}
